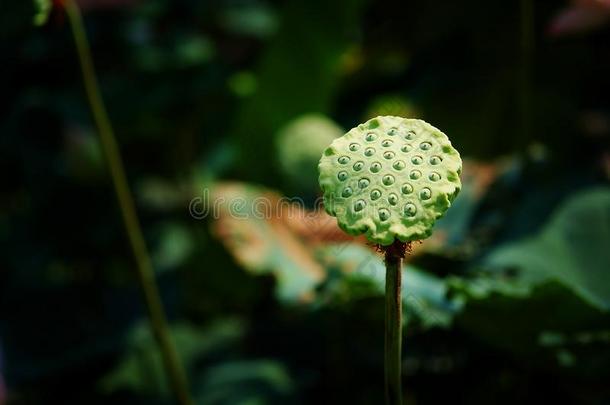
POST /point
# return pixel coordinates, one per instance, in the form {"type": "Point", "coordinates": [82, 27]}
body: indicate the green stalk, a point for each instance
{"type": "Point", "coordinates": [145, 274]}
{"type": "Point", "coordinates": [393, 324]}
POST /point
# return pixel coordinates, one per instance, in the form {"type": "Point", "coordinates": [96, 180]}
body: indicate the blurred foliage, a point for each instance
{"type": "Point", "coordinates": [43, 8]}
{"type": "Point", "coordinates": [270, 302]}
{"type": "Point", "coordinates": [252, 226]}
{"type": "Point", "coordinates": [299, 165]}
{"type": "Point", "coordinates": [141, 368]}
{"type": "Point", "coordinates": [570, 249]}
{"type": "Point", "coordinates": [390, 104]}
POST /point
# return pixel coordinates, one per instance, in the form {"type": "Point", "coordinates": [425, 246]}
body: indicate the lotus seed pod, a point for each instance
{"type": "Point", "coordinates": [390, 178]}
{"type": "Point", "coordinates": [299, 145]}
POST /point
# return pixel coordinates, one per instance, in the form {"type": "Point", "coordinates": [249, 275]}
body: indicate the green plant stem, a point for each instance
{"type": "Point", "coordinates": [393, 323]}
{"type": "Point", "coordinates": [145, 274]}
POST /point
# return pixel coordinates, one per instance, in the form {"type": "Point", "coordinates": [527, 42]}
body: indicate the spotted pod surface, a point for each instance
{"type": "Point", "coordinates": [390, 178]}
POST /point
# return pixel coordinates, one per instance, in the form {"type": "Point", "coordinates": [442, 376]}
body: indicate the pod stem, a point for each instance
{"type": "Point", "coordinates": [144, 270]}
{"type": "Point", "coordinates": [393, 322]}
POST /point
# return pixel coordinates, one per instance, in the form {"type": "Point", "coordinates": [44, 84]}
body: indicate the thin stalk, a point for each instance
{"type": "Point", "coordinates": [393, 323]}
{"type": "Point", "coordinates": [145, 274]}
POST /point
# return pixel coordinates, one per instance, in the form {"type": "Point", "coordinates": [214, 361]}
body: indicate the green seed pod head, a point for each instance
{"type": "Point", "coordinates": [299, 145]}
{"type": "Point", "coordinates": [390, 177]}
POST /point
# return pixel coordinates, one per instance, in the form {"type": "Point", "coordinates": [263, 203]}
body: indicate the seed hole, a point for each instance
{"type": "Point", "coordinates": [375, 194]}
{"type": "Point", "coordinates": [343, 159]}
{"type": "Point", "coordinates": [354, 147]}
{"type": "Point", "coordinates": [358, 166]}
{"type": "Point", "coordinates": [384, 214]}
{"type": "Point", "coordinates": [363, 183]}
{"type": "Point", "coordinates": [410, 210]}
{"type": "Point", "coordinates": [425, 193]}
{"type": "Point", "coordinates": [342, 175]}
{"type": "Point", "coordinates": [388, 180]}
{"type": "Point", "coordinates": [425, 146]}
{"type": "Point", "coordinates": [434, 160]}
{"type": "Point", "coordinates": [375, 167]}
{"type": "Point", "coordinates": [388, 155]}
{"type": "Point", "coordinates": [406, 188]}
{"type": "Point", "coordinates": [415, 174]}
{"type": "Point", "coordinates": [399, 165]}
{"type": "Point", "coordinates": [359, 205]}
{"type": "Point", "coordinates": [369, 151]}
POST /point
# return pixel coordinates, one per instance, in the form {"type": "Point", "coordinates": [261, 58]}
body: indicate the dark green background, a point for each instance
{"type": "Point", "coordinates": [198, 90]}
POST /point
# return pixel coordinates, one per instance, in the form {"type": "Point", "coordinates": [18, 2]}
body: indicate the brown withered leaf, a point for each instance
{"type": "Point", "coordinates": [254, 225]}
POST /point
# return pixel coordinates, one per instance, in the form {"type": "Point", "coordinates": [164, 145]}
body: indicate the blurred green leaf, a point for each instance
{"type": "Point", "coordinates": [299, 164]}
{"type": "Point", "coordinates": [182, 51]}
{"type": "Point", "coordinates": [293, 83]}
{"type": "Point", "coordinates": [243, 84]}
{"type": "Point", "coordinates": [161, 194]}
{"type": "Point", "coordinates": [424, 295]}
{"type": "Point", "coordinates": [192, 51]}
{"type": "Point", "coordinates": [555, 281]}
{"type": "Point", "coordinates": [510, 316]}
{"type": "Point", "coordinates": [391, 104]}
{"type": "Point", "coordinates": [256, 20]}
{"type": "Point", "coordinates": [141, 369]}
{"type": "Point", "coordinates": [245, 382]}
{"type": "Point", "coordinates": [572, 249]}
{"type": "Point", "coordinates": [174, 246]}
{"type": "Point", "coordinates": [43, 9]}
